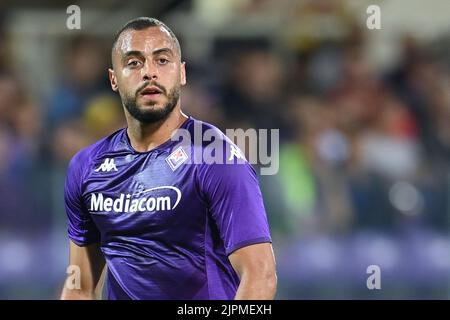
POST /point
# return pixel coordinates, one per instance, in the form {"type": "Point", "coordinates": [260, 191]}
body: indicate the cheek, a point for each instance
{"type": "Point", "coordinates": [172, 75]}
{"type": "Point", "coordinates": [127, 73]}
{"type": "Point", "coordinates": [128, 79]}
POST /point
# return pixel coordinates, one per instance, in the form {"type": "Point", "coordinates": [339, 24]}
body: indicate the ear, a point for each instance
{"type": "Point", "coordinates": [113, 80]}
{"type": "Point", "coordinates": [183, 73]}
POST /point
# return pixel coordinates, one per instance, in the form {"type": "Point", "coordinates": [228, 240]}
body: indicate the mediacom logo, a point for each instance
{"type": "Point", "coordinates": [138, 202]}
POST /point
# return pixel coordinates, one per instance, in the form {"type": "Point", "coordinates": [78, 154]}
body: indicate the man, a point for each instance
{"type": "Point", "coordinates": [168, 228]}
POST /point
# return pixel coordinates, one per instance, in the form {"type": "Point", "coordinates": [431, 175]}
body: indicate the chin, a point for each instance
{"type": "Point", "coordinates": [151, 106]}
{"type": "Point", "coordinates": [157, 104]}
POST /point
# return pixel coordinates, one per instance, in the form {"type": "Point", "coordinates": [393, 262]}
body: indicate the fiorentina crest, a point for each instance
{"type": "Point", "coordinates": [176, 158]}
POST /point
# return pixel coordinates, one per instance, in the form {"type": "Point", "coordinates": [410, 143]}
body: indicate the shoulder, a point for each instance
{"type": "Point", "coordinates": [92, 153]}
{"type": "Point", "coordinates": [216, 156]}
{"type": "Point", "coordinates": [196, 127]}
{"type": "Point", "coordinates": [210, 140]}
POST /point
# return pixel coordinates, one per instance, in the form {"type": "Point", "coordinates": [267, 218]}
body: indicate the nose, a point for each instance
{"type": "Point", "coordinates": [149, 72]}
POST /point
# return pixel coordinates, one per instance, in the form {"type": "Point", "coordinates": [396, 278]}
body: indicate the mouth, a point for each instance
{"type": "Point", "coordinates": [151, 92]}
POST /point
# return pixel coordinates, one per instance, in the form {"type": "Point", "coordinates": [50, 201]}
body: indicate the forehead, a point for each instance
{"type": "Point", "coordinates": [146, 40]}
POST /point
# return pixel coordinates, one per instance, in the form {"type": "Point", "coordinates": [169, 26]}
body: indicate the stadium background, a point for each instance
{"type": "Point", "coordinates": [363, 118]}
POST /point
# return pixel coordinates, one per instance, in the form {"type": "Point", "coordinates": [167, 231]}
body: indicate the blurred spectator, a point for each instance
{"type": "Point", "coordinates": [254, 93]}
{"type": "Point", "coordinates": [20, 122]}
{"type": "Point", "coordinates": [422, 82]}
{"type": "Point", "coordinates": [20, 126]}
{"type": "Point", "coordinates": [103, 115]}
{"type": "Point", "coordinates": [68, 139]}
{"type": "Point", "coordinates": [84, 76]}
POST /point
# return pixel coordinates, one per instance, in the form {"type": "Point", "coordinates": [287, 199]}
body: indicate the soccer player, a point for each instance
{"type": "Point", "coordinates": [167, 227]}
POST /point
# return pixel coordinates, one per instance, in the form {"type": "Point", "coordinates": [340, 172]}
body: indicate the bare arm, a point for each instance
{"type": "Point", "coordinates": [90, 262]}
{"type": "Point", "coordinates": [255, 265]}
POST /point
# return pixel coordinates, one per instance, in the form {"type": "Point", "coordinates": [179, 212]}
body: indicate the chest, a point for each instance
{"type": "Point", "coordinates": [142, 196]}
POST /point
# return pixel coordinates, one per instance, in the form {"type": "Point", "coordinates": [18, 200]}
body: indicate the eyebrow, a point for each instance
{"type": "Point", "coordinates": [141, 54]}
{"type": "Point", "coordinates": [133, 53]}
{"type": "Point", "coordinates": [163, 50]}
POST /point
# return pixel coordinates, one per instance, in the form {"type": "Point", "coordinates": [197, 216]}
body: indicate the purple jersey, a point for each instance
{"type": "Point", "coordinates": [166, 225]}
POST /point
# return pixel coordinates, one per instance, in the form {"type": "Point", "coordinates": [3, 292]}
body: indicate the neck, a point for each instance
{"type": "Point", "coordinates": [145, 137]}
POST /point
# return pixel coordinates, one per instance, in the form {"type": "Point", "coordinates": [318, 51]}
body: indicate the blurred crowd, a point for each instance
{"type": "Point", "coordinates": [361, 149]}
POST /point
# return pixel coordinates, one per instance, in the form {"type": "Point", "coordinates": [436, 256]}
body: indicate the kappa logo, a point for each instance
{"type": "Point", "coordinates": [176, 158]}
{"type": "Point", "coordinates": [107, 166]}
{"type": "Point", "coordinates": [235, 153]}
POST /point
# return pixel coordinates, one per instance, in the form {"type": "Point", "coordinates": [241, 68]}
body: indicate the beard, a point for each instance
{"type": "Point", "coordinates": [151, 115]}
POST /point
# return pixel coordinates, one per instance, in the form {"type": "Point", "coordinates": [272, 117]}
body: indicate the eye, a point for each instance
{"type": "Point", "coordinates": [133, 63]}
{"type": "Point", "coordinates": [162, 61]}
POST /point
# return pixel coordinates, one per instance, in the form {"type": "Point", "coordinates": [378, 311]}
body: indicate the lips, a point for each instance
{"type": "Point", "coordinates": [152, 90]}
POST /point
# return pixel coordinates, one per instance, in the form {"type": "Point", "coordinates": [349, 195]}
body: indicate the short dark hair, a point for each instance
{"type": "Point", "coordinates": [143, 23]}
